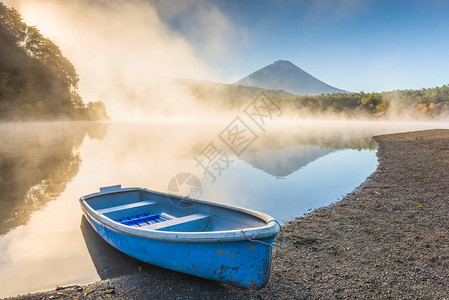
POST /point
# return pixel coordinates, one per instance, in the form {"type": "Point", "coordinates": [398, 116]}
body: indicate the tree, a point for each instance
{"type": "Point", "coordinates": [36, 80]}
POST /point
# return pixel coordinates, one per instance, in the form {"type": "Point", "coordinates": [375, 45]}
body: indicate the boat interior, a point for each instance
{"type": "Point", "coordinates": [149, 210]}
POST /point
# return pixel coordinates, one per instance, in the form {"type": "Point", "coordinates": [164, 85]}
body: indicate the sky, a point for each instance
{"type": "Point", "coordinates": [355, 45]}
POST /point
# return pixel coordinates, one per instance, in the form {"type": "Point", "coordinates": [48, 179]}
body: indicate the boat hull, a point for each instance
{"type": "Point", "coordinates": [242, 262]}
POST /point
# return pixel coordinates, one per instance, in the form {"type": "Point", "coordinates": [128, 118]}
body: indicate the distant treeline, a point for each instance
{"type": "Point", "coordinates": [424, 103]}
{"type": "Point", "coordinates": [431, 103]}
{"type": "Point", "coordinates": [36, 81]}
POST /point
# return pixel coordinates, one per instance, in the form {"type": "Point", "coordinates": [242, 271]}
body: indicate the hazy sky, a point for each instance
{"type": "Point", "coordinates": [354, 45]}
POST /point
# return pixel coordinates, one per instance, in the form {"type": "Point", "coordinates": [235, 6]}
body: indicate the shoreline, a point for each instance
{"type": "Point", "coordinates": [387, 238]}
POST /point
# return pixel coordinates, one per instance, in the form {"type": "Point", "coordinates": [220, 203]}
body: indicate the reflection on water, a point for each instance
{"type": "Point", "coordinates": [36, 162]}
{"type": "Point", "coordinates": [45, 168]}
{"type": "Point", "coordinates": [282, 162]}
{"type": "Point", "coordinates": [108, 261]}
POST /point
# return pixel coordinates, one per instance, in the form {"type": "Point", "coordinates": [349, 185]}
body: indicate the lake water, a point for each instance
{"type": "Point", "coordinates": [285, 170]}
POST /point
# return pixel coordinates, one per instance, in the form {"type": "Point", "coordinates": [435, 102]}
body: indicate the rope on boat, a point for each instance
{"type": "Point", "coordinates": [210, 219]}
{"type": "Point", "coordinates": [268, 244]}
{"type": "Point", "coordinates": [141, 193]}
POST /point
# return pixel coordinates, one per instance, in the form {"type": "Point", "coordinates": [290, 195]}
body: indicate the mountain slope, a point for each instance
{"type": "Point", "coordinates": [229, 95]}
{"type": "Point", "coordinates": [288, 77]}
{"type": "Point", "coordinates": [280, 163]}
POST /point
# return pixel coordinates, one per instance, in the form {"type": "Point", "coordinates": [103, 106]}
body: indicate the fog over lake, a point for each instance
{"type": "Point", "coordinates": [288, 169]}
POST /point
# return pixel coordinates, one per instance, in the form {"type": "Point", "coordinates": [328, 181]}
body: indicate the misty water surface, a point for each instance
{"type": "Point", "coordinates": [44, 169]}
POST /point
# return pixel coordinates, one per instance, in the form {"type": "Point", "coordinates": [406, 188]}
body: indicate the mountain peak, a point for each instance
{"type": "Point", "coordinates": [284, 75]}
{"type": "Point", "coordinates": [283, 62]}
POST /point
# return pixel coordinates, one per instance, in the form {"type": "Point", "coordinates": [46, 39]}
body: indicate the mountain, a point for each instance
{"type": "Point", "coordinates": [280, 163]}
{"type": "Point", "coordinates": [229, 95]}
{"type": "Point", "coordinates": [284, 75]}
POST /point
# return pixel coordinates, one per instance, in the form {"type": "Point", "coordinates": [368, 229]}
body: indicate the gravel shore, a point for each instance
{"type": "Point", "coordinates": [387, 239]}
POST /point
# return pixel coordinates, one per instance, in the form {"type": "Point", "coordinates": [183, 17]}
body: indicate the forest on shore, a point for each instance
{"type": "Point", "coordinates": [430, 103]}
{"type": "Point", "coordinates": [36, 81]}
{"type": "Point", "coordinates": [423, 104]}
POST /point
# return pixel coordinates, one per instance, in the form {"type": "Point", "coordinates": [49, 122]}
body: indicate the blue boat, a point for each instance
{"type": "Point", "coordinates": [214, 241]}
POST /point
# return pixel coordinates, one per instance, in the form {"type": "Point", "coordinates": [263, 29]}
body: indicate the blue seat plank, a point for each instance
{"type": "Point", "coordinates": [181, 221]}
{"type": "Point", "coordinates": [140, 220]}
